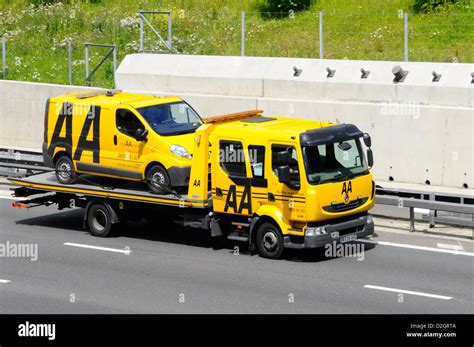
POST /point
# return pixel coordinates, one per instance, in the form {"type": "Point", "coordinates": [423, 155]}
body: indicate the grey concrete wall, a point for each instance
{"type": "Point", "coordinates": [22, 106]}
{"type": "Point", "coordinates": [421, 130]}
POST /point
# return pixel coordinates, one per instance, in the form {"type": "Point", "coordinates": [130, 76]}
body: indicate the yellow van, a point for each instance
{"type": "Point", "coordinates": [121, 135]}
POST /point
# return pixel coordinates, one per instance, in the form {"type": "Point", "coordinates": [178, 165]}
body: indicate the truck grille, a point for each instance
{"type": "Point", "coordinates": [340, 207]}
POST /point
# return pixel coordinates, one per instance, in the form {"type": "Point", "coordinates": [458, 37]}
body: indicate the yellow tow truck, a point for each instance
{"type": "Point", "coordinates": [272, 182]}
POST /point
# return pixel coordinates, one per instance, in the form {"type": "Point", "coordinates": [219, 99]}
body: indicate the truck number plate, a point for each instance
{"type": "Point", "coordinates": [348, 238]}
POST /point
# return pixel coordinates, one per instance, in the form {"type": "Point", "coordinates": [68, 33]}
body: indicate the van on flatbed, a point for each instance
{"type": "Point", "coordinates": [129, 136]}
{"type": "Point", "coordinates": [274, 182]}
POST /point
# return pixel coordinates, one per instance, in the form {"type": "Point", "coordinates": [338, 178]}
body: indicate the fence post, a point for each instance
{"type": "Point", "coordinates": [4, 57]}
{"type": "Point", "coordinates": [87, 62]}
{"type": "Point", "coordinates": [115, 62]}
{"type": "Point", "coordinates": [242, 39]}
{"type": "Point", "coordinates": [69, 58]}
{"type": "Point", "coordinates": [406, 35]}
{"type": "Point", "coordinates": [141, 32]}
{"type": "Point", "coordinates": [321, 38]}
{"type": "Point", "coordinates": [170, 31]}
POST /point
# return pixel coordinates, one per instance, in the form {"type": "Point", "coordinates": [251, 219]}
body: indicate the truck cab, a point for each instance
{"type": "Point", "coordinates": [288, 183]}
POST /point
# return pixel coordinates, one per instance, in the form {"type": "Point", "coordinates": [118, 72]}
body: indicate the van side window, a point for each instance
{"type": "Point", "coordinates": [127, 122]}
{"type": "Point", "coordinates": [257, 161]}
{"type": "Point", "coordinates": [293, 164]}
{"type": "Point", "coordinates": [232, 158]}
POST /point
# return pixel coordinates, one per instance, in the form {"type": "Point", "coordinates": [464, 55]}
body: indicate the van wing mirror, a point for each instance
{"type": "Point", "coordinates": [367, 140]}
{"type": "Point", "coordinates": [141, 134]}
{"type": "Point", "coordinates": [283, 174]}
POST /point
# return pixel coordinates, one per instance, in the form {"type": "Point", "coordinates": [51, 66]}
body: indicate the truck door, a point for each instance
{"type": "Point", "coordinates": [231, 190]}
{"type": "Point", "coordinates": [129, 152]}
{"type": "Point", "coordinates": [289, 198]}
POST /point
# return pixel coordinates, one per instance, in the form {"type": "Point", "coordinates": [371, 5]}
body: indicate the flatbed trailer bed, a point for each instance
{"type": "Point", "coordinates": [107, 202]}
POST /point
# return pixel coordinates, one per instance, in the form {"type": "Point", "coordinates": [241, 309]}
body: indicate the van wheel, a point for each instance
{"type": "Point", "coordinates": [158, 180]}
{"type": "Point", "coordinates": [65, 172]}
{"type": "Point", "coordinates": [269, 241]}
{"type": "Point", "coordinates": [99, 220]}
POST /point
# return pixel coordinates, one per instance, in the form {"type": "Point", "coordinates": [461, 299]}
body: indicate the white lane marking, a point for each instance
{"type": "Point", "coordinates": [421, 248]}
{"type": "Point", "coordinates": [403, 291]}
{"type": "Point", "coordinates": [4, 281]}
{"type": "Point", "coordinates": [124, 251]}
{"type": "Point", "coordinates": [450, 246]}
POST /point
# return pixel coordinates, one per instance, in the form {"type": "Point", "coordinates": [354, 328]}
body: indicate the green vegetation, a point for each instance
{"type": "Point", "coordinates": [38, 32]}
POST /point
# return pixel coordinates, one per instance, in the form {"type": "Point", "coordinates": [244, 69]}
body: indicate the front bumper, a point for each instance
{"type": "Point", "coordinates": [358, 227]}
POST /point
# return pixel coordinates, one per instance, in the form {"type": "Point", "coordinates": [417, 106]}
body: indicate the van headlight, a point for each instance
{"type": "Point", "coordinates": [315, 231]}
{"type": "Point", "coordinates": [180, 151]}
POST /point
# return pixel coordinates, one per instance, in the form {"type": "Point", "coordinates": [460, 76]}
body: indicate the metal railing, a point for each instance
{"type": "Point", "coordinates": [432, 201]}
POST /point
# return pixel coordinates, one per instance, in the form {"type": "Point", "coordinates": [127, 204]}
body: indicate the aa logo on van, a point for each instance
{"type": "Point", "coordinates": [65, 119]}
{"type": "Point", "coordinates": [236, 206]}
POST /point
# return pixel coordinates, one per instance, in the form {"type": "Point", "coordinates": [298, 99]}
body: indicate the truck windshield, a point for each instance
{"type": "Point", "coordinates": [334, 161]}
{"type": "Point", "coordinates": [171, 119]}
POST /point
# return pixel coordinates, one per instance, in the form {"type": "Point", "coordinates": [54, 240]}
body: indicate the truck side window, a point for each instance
{"type": "Point", "coordinates": [293, 164]}
{"type": "Point", "coordinates": [127, 122]}
{"type": "Point", "coordinates": [232, 158]}
{"type": "Point", "coordinates": [257, 161]}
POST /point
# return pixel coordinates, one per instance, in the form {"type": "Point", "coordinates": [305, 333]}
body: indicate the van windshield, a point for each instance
{"type": "Point", "coordinates": [171, 119]}
{"type": "Point", "coordinates": [334, 161]}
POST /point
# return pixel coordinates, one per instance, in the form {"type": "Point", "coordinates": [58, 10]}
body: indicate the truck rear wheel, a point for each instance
{"type": "Point", "coordinates": [158, 180]}
{"type": "Point", "coordinates": [269, 241]}
{"type": "Point", "coordinates": [99, 220]}
{"type": "Point", "coordinates": [64, 169]}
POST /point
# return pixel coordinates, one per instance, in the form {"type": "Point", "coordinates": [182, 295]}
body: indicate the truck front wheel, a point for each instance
{"type": "Point", "coordinates": [269, 241]}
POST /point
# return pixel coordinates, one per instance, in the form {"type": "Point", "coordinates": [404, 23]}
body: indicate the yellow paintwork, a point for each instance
{"type": "Point", "coordinates": [292, 209]}
{"type": "Point", "coordinates": [129, 154]}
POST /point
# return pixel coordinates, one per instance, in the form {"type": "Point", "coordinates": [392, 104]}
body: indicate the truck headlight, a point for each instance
{"type": "Point", "coordinates": [180, 151]}
{"type": "Point", "coordinates": [315, 231]}
{"type": "Point", "coordinates": [370, 220]}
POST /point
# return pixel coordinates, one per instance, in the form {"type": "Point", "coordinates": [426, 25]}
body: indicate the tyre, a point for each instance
{"type": "Point", "coordinates": [64, 169]}
{"type": "Point", "coordinates": [99, 220]}
{"type": "Point", "coordinates": [158, 180]}
{"type": "Point", "coordinates": [269, 241]}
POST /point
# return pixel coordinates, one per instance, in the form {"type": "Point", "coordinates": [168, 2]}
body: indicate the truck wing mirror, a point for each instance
{"type": "Point", "coordinates": [367, 140]}
{"type": "Point", "coordinates": [283, 173]}
{"type": "Point", "coordinates": [370, 158]}
{"type": "Point", "coordinates": [283, 157]}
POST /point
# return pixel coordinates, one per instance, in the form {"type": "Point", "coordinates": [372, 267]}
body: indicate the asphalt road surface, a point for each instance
{"type": "Point", "coordinates": [162, 269]}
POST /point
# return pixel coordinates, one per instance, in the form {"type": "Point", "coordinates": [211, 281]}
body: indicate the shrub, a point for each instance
{"type": "Point", "coordinates": [432, 5]}
{"type": "Point", "coordinates": [284, 6]}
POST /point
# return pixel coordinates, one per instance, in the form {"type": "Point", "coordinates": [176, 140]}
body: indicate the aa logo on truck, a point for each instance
{"type": "Point", "coordinates": [245, 200]}
{"type": "Point", "coordinates": [92, 121]}
{"type": "Point", "coordinates": [347, 188]}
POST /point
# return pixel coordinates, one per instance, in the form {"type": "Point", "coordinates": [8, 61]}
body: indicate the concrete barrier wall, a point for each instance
{"type": "Point", "coordinates": [22, 106]}
{"type": "Point", "coordinates": [422, 130]}
{"type": "Point", "coordinates": [413, 142]}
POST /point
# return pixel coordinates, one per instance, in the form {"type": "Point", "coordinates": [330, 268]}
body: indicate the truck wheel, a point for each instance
{"type": "Point", "coordinates": [157, 179]}
{"type": "Point", "coordinates": [65, 172]}
{"type": "Point", "coordinates": [99, 220]}
{"type": "Point", "coordinates": [269, 241]}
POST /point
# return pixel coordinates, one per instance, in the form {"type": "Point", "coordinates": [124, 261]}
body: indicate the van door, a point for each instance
{"type": "Point", "coordinates": [231, 190]}
{"type": "Point", "coordinates": [130, 153]}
